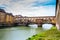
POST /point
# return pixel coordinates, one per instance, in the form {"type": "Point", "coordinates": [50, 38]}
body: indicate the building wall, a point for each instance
{"type": "Point", "coordinates": [39, 21]}
{"type": "Point", "coordinates": [53, 21]}
{"type": "Point", "coordinates": [9, 19]}
{"type": "Point", "coordinates": [2, 17]}
{"type": "Point", "coordinates": [6, 18]}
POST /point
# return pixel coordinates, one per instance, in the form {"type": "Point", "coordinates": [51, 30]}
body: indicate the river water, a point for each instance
{"type": "Point", "coordinates": [18, 33]}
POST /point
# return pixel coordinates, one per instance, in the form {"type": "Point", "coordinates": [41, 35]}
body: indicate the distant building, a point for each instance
{"type": "Point", "coordinates": [17, 18]}
{"type": "Point", "coordinates": [6, 18]}
{"type": "Point", "coordinates": [35, 19]}
{"type": "Point", "coordinates": [2, 16]}
{"type": "Point", "coordinates": [10, 18]}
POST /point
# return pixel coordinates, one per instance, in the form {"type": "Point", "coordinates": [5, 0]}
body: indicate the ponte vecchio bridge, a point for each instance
{"type": "Point", "coordinates": [38, 20]}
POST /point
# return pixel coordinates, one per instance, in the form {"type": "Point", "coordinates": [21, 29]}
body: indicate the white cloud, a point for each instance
{"type": "Point", "coordinates": [37, 11]}
{"type": "Point", "coordinates": [43, 1]}
{"type": "Point", "coordinates": [25, 8]}
{"type": "Point", "coordinates": [4, 2]}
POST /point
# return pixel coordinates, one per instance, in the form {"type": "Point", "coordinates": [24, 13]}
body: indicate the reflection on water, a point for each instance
{"type": "Point", "coordinates": [47, 26]}
{"type": "Point", "coordinates": [33, 26]}
{"type": "Point", "coordinates": [18, 33]}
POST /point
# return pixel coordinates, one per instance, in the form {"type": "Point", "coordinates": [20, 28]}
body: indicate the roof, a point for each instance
{"type": "Point", "coordinates": [10, 14]}
{"type": "Point", "coordinates": [39, 17]}
{"type": "Point", "coordinates": [2, 10]}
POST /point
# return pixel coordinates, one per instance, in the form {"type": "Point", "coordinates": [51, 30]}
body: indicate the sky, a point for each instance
{"type": "Point", "coordinates": [29, 8]}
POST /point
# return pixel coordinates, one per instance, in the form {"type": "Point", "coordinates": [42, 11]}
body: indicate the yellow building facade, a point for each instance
{"type": "Point", "coordinates": [9, 19]}
{"type": "Point", "coordinates": [2, 16]}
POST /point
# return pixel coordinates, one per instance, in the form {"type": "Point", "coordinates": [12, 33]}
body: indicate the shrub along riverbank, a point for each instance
{"type": "Point", "coordinates": [52, 34]}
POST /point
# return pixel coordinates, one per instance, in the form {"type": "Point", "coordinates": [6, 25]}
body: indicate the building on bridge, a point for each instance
{"type": "Point", "coordinates": [38, 20]}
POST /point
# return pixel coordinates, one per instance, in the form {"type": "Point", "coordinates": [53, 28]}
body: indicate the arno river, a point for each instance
{"type": "Point", "coordinates": [18, 33]}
